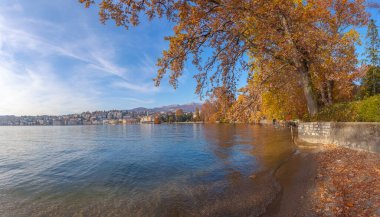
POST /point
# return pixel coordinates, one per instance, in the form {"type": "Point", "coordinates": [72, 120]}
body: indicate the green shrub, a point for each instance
{"type": "Point", "coordinates": [367, 110]}
{"type": "Point", "coordinates": [337, 112]}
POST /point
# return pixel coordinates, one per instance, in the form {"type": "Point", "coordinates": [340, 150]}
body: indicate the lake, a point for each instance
{"type": "Point", "coordinates": [140, 170]}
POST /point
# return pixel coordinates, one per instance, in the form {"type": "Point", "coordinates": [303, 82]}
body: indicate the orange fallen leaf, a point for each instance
{"type": "Point", "coordinates": [349, 204]}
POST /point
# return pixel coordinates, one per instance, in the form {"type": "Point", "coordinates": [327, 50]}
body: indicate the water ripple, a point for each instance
{"type": "Point", "coordinates": [137, 170]}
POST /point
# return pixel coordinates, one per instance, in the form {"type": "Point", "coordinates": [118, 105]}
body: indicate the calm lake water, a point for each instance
{"type": "Point", "coordinates": [140, 170]}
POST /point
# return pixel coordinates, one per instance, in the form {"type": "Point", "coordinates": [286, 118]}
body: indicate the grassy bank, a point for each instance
{"type": "Point", "coordinates": [366, 110]}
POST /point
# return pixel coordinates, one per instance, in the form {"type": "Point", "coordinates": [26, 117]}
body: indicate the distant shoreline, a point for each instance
{"type": "Point", "coordinates": [199, 122]}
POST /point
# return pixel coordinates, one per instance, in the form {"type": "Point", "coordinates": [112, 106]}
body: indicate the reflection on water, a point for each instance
{"type": "Point", "coordinates": [139, 170]}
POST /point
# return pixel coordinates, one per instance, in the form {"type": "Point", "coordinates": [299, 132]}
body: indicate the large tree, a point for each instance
{"type": "Point", "coordinates": [299, 36]}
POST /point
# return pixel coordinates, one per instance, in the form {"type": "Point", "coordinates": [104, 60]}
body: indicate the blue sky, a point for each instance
{"type": "Point", "coordinates": [56, 58]}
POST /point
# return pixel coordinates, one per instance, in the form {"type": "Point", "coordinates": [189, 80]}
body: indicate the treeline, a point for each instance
{"type": "Point", "coordinates": [178, 116]}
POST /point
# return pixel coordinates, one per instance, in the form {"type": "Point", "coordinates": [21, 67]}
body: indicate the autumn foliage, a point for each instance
{"type": "Point", "coordinates": [300, 55]}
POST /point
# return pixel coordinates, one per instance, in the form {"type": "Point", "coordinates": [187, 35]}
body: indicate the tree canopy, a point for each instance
{"type": "Point", "coordinates": [308, 45]}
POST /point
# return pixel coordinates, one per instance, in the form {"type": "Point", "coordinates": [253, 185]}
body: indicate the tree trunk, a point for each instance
{"type": "Point", "coordinates": [330, 86]}
{"type": "Point", "coordinates": [323, 93]}
{"type": "Point", "coordinates": [308, 91]}
{"type": "Point", "coordinates": [374, 81]}
{"type": "Point", "coordinates": [302, 66]}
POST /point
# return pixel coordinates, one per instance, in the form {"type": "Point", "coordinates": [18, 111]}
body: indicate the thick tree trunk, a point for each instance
{"type": "Point", "coordinates": [312, 105]}
{"type": "Point", "coordinates": [302, 66]}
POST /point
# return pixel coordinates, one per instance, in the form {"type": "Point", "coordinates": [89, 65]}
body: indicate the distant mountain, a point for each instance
{"type": "Point", "coordinates": [190, 107]}
{"type": "Point", "coordinates": [139, 109]}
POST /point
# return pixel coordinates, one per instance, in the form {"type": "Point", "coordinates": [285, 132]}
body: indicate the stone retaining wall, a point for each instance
{"type": "Point", "coordinates": [355, 135]}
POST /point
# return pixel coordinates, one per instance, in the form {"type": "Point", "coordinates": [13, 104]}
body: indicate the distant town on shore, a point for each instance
{"type": "Point", "coordinates": [172, 113]}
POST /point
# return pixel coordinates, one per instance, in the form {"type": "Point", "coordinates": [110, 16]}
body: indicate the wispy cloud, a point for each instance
{"type": "Point", "coordinates": [29, 83]}
{"type": "Point", "coordinates": [46, 69]}
{"type": "Point", "coordinates": [56, 58]}
{"type": "Point", "coordinates": [87, 49]}
{"type": "Point", "coordinates": [140, 88]}
{"type": "Point", "coordinates": [37, 92]}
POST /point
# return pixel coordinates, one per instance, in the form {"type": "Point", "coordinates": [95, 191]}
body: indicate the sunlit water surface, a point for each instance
{"type": "Point", "coordinates": [139, 170]}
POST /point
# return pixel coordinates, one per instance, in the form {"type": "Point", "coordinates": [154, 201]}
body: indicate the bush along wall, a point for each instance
{"type": "Point", "coordinates": [366, 110]}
